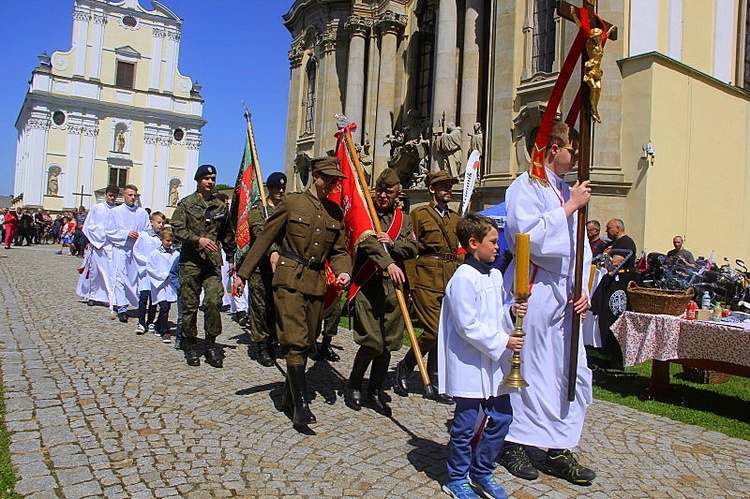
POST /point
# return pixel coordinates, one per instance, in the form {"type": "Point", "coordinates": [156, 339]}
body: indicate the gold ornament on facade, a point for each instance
{"type": "Point", "coordinates": [593, 75]}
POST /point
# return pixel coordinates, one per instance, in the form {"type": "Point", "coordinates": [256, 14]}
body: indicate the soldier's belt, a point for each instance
{"type": "Point", "coordinates": [446, 257]}
{"type": "Point", "coordinates": [318, 266]}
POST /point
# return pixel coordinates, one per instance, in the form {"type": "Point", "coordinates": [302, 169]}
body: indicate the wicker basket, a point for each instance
{"type": "Point", "coordinates": [658, 301]}
{"type": "Point", "coordinates": [704, 376]}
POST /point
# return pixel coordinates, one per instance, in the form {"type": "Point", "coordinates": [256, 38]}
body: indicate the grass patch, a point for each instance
{"type": "Point", "coordinates": [724, 408]}
{"type": "Point", "coordinates": [7, 474]}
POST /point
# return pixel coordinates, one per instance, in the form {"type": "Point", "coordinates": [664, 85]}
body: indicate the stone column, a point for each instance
{"type": "Point", "coordinates": [389, 26]}
{"type": "Point", "coordinates": [88, 158]}
{"type": "Point", "coordinates": [150, 139]}
{"type": "Point", "coordinates": [327, 93]}
{"type": "Point", "coordinates": [156, 56]}
{"type": "Point", "coordinates": [470, 71]}
{"type": "Point", "coordinates": [293, 111]}
{"type": "Point", "coordinates": [446, 71]}
{"type": "Point", "coordinates": [100, 21]}
{"type": "Point", "coordinates": [81, 19]}
{"type": "Point", "coordinates": [355, 73]}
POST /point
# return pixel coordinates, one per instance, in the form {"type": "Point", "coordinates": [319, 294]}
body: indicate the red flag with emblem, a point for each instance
{"type": "Point", "coordinates": [246, 192]}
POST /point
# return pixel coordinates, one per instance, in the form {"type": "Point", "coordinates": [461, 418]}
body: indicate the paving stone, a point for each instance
{"type": "Point", "coordinates": [127, 418]}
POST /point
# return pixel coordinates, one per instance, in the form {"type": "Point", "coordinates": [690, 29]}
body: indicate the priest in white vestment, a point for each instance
{"type": "Point", "coordinates": [96, 282]}
{"type": "Point", "coordinates": [123, 225]}
{"type": "Point", "coordinates": [542, 416]}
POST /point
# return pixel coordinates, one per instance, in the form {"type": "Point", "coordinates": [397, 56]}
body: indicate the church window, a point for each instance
{"type": "Point", "coordinates": [178, 134]}
{"type": "Point", "coordinates": [544, 36]}
{"type": "Point", "coordinates": [125, 74]}
{"type": "Point", "coordinates": [130, 21]}
{"type": "Point", "coordinates": [425, 44]}
{"type": "Point", "coordinates": [58, 118]}
{"type": "Point", "coordinates": [310, 97]}
{"type": "Point", "coordinates": [118, 177]}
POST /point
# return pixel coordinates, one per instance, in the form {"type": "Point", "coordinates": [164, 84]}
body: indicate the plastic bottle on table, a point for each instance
{"type": "Point", "coordinates": [690, 312]}
{"type": "Point", "coordinates": [706, 301]}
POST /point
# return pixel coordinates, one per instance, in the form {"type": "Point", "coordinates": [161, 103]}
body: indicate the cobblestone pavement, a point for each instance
{"type": "Point", "coordinates": [94, 410]}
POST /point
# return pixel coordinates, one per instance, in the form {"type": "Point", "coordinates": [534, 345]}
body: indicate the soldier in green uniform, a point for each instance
{"type": "Point", "coordinates": [262, 312]}
{"type": "Point", "coordinates": [309, 230]}
{"type": "Point", "coordinates": [201, 222]}
{"type": "Point", "coordinates": [434, 225]}
{"type": "Point", "coordinates": [378, 322]}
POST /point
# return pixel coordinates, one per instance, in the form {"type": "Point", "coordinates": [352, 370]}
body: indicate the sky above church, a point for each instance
{"type": "Point", "coordinates": [235, 49]}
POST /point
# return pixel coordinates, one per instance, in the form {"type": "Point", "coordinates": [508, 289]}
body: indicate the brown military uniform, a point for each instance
{"type": "Point", "coordinates": [308, 231]}
{"type": "Point", "coordinates": [436, 244]}
{"type": "Point", "coordinates": [379, 325]}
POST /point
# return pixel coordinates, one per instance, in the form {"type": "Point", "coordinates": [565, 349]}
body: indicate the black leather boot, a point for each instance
{"type": "Point", "coordinates": [353, 392]}
{"type": "Point", "coordinates": [213, 353]}
{"type": "Point", "coordinates": [403, 373]}
{"type": "Point", "coordinates": [264, 356]}
{"type": "Point", "coordinates": [287, 404]}
{"type": "Point", "coordinates": [191, 351]}
{"type": "Point", "coordinates": [432, 370]}
{"type": "Point", "coordinates": [298, 385]}
{"type": "Point", "coordinates": [377, 399]}
{"type": "Point", "coordinates": [325, 352]}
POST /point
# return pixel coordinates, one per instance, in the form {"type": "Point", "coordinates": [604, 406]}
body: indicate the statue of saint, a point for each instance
{"type": "Point", "coordinates": [477, 138]}
{"type": "Point", "coordinates": [448, 144]}
{"type": "Point", "coordinates": [120, 141]}
{"type": "Point", "coordinates": [52, 183]}
{"type": "Point", "coordinates": [174, 194]}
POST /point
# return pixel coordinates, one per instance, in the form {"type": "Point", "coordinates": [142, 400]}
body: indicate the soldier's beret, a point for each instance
{"type": "Point", "coordinates": [204, 170]}
{"type": "Point", "coordinates": [327, 165]}
{"type": "Point", "coordinates": [388, 178]}
{"type": "Point", "coordinates": [276, 179]}
{"type": "Point", "coordinates": [440, 176]}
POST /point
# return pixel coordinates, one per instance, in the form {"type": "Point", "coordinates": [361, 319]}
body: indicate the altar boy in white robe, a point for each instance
{"type": "Point", "coordinates": [95, 285]}
{"type": "Point", "coordinates": [163, 292]}
{"type": "Point", "coordinates": [148, 241]}
{"type": "Point", "coordinates": [544, 207]}
{"type": "Point", "coordinates": [474, 350]}
{"type": "Point", "coordinates": [123, 225]}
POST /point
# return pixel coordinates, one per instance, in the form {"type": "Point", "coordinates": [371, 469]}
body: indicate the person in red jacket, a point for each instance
{"type": "Point", "coordinates": [11, 224]}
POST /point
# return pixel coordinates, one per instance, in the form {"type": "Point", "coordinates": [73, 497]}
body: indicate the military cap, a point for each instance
{"type": "Point", "coordinates": [276, 179]}
{"type": "Point", "coordinates": [388, 178]}
{"type": "Point", "coordinates": [440, 176]}
{"type": "Point", "coordinates": [327, 165]}
{"type": "Point", "coordinates": [204, 170]}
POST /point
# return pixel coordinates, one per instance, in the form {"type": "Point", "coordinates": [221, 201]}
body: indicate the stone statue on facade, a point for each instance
{"type": "Point", "coordinates": [477, 138]}
{"type": "Point", "coordinates": [120, 141]}
{"type": "Point", "coordinates": [448, 148]}
{"type": "Point", "coordinates": [302, 166]}
{"type": "Point", "coordinates": [53, 183]}
{"type": "Point", "coordinates": [174, 192]}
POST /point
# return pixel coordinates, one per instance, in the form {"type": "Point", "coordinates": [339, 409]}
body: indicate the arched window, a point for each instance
{"type": "Point", "coordinates": [425, 44]}
{"type": "Point", "coordinates": [311, 71]}
{"type": "Point", "coordinates": [544, 36]}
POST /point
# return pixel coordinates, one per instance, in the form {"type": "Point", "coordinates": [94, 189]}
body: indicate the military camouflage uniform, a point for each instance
{"type": "Point", "coordinates": [193, 219]}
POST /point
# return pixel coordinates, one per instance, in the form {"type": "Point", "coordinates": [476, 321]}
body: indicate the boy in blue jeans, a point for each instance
{"type": "Point", "coordinates": [474, 350]}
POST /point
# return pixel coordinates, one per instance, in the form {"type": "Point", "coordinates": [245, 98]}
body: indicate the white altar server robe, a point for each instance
{"type": "Point", "coordinates": [97, 279]}
{"type": "Point", "coordinates": [120, 222]}
{"type": "Point", "coordinates": [147, 242]}
{"type": "Point", "coordinates": [542, 415]}
{"type": "Point", "coordinates": [157, 270]}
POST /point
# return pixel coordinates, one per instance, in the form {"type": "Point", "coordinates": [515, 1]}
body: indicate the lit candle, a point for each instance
{"type": "Point", "coordinates": [522, 264]}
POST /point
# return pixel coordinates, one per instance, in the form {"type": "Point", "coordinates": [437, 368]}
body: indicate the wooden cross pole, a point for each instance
{"type": "Point", "coordinates": [81, 195]}
{"type": "Point", "coordinates": [585, 148]}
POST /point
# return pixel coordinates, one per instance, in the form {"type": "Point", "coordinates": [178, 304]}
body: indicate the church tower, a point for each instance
{"type": "Point", "coordinates": [114, 109]}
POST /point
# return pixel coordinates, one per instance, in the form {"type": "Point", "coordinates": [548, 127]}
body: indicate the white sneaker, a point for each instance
{"type": "Point", "coordinates": [152, 329]}
{"type": "Point", "coordinates": [140, 329]}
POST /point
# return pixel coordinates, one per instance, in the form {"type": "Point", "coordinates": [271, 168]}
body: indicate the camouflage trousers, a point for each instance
{"type": "Point", "coordinates": [262, 311]}
{"type": "Point", "coordinates": [193, 279]}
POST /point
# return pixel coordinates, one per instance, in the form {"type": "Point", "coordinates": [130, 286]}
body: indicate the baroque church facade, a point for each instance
{"type": "Point", "coordinates": [114, 109]}
{"type": "Point", "coordinates": [427, 81]}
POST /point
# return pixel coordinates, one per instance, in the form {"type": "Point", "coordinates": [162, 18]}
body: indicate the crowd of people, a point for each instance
{"type": "Point", "coordinates": [24, 227]}
{"type": "Point", "coordinates": [279, 292]}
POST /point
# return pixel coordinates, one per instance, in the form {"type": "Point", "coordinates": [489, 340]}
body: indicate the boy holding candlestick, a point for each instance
{"type": "Point", "coordinates": [543, 206]}
{"type": "Point", "coordinates": [474, 349]}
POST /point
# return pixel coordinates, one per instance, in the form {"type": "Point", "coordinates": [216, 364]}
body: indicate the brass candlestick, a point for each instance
{"type": "Point", "coordinates": [514, 379]}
